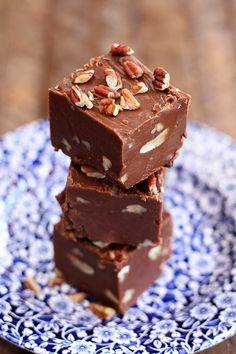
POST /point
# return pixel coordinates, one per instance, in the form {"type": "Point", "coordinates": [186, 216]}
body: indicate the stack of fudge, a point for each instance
{"type": "Point", "coordinates": [121, 125]}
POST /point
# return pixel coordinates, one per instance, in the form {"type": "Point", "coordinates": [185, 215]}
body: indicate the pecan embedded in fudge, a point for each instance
{"type": "Point", "coordinates": [109, 213]}
{"type": "Point", "coordinates": [137, 134]}
{"type": "Point", "coordinates": [115, 275]}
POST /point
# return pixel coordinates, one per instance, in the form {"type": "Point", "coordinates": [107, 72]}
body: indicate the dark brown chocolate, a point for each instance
{"type": "Point", "coordinates": [133, 144]}
{"type": "Point", "coordinates": [109, 214]}
{"type": "Point", "coordinates": [115, 275]}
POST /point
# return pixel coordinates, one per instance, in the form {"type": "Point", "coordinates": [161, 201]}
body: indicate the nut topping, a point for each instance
{"type": "Point", "coordinates": [109, 294]}
{"type": "Point", "coordinates": [92, 172]}
{"type": "Point", "coordinates": [154, 253]}
{"type": "Point", "coordinates": [100, 244]}
{"type": "Point", "coordinates": [140, 87]}
{"type": "Point", "coordinates": [103, 312]}
{"type": "Point", "coordinates": [66, 144]}
{"type": "Point", "coordinates": [82, 266]}
{"type": "Point", "coordinates": [79, 98]}
{"type": "Point", "coordinates": [124, 178]}
{"type": "Point", "coordinates": [158, 127]}
{"type": "Point", "coordinates": [90, 96]}
{"type": "Point", "coordinates": [121, 49]}
{"type": "Point", "coordinates": [128, 101]}
{"type": "Point", "coordinates": [152, 184]}
{"type": "Point", "coordinates": [106, 163]}
{"type": "Point", "coordinates": [31, 284]}
{"type": "Point", "coordinates": [123, 272]}
{"type": "Point", "coordinates": [134, 208]}
{"type": "Point", "coordinates": [119, 81]}
{"type": "Point", "coordinates": [161, 79]}
{"type": "Point", "coordinates": [111, 255]}
{"type": "Point", "coordinates": [106, 91]}
{"type": "Point", "coordinates": [57, 279]}
{"type": "Point", "coordinates": [113, 79]}
{"type": "Point", "coordinates": [129, 293]}
{"type": "Point", "coordinates": [132, 69]}
{"type": "Point", "coordinates": [86, 144]}
{"type": "Point", "coordinates": [154, 143]}
{"type": "Point", "coordinates": [108, 107]}
{"type": "Point", "coordinates": [83, 76]}
{"type": "Point", "coordinates": [77, 297]}
{"type": "Point", "coordinates": [82, 200]}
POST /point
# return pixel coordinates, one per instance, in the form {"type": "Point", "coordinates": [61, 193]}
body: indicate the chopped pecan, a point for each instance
{"type": "Point", "coordinates": [90, 96]}
{"type": "Point", "coordinates": [152, 184]}
{"type": "Point", "coordinates": [31, 284]}
{"type": "Point", "coordinates": [86, 66]}
{"type": "Point", "coordinates": [77, 297]}
{"type": "Point", "coordinates": [96, 61]}
{"type": "Point", "coordinates": [161, 79]}
{"type": "Point", "coordinates": [74, 96]}
{"type": "Point", "coordinates": [113, 79]}
{"type": "Point", "coordinates": [134, 208]}
{"type": "Point", "coordinates": [92, 172]}
{"type": "Point", "coordinates": [111, 255]}
{"type": "Point", "coordinates": [128, 101]}
{"type": "Point", "coordinates": [103, 312]}
{"type": "Point", "coordinates": [132, 69]}
{"type": "Point", "coordinates": [119, 81]}
{"type": "Point", "coordinates": [83, 76]}
{"type": "Point", "coordinates": [79, 98]}
{"type": "Point", "coordinates": [80, 265]}
{"type": "Point", "coordinates": [105, 91]}
{"type": "Point", "coordinates": [106, 163]}
{"type": "Point", "coordinates": [140, 87]}
{"type": "Point", "coordinates": [55, 280]}
{"type": "Point", "coordinates": [121, 49]}
{"type": "Point", "coordinates": [154, 143]}
{"type": "Point", "coordinates": [108, 106]}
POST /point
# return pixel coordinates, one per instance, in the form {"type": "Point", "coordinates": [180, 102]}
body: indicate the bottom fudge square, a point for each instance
{"type": "Point", "coordinates": [115, 275]}
{"type": "Point", "coordinates": [109, 214]}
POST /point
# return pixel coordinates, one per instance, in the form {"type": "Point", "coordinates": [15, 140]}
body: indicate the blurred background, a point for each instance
{"type": "Point", "coordinates": [42, 41]}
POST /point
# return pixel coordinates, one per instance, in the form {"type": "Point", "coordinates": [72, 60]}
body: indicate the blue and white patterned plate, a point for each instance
{"type": "Point", "coordinates": [191, 307]}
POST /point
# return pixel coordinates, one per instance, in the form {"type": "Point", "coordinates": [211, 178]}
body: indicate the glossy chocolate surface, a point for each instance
{"type": "Point", "coordinates": [109, 214]}
{"type": "Point", "coordinates": [135, 142]}
{"type": "Point", "coordinates": [115, 275]}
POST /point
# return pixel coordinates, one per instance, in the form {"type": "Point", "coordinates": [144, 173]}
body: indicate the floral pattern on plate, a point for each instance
{"type": "Point", "coordinates": [191, 307]}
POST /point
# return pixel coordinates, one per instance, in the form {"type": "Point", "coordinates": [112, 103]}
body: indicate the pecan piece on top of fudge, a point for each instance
{"type": "Point", "coordinates": [115, 109]}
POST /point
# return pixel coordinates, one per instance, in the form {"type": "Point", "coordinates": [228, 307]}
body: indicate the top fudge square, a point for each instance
{"type": "Point", "coordinates": [118, 116]}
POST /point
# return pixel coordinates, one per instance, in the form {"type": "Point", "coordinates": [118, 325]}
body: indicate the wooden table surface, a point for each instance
{"type": "Point", "coordinates": [42, 41]}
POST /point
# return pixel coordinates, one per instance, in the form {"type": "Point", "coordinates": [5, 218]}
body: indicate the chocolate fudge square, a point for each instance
{"type": "Point", "coordinates": [116, 115]}
{"type": "Point", "coordinates": [109, 214]}
{"type": "Point", "coordinates": [115, 275]}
